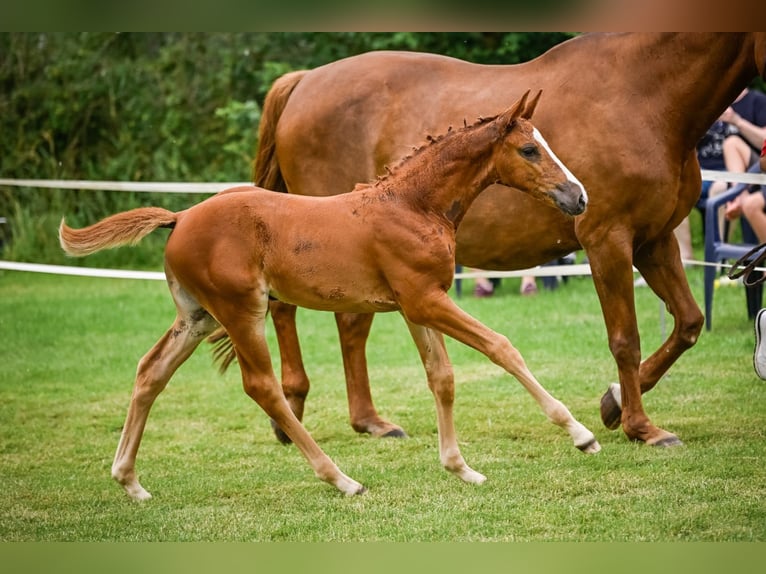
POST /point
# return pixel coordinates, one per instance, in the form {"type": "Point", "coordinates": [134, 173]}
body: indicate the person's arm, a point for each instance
{"type": "Point", "coordinates": [752, 133]}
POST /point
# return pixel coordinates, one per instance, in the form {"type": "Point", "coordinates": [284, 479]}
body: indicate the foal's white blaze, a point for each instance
{"type": "Point", "coordinates": [570, 176]}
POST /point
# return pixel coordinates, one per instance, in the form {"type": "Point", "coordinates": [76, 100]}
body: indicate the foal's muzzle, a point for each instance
{"type": "Point", "coordinates": [570, 198]}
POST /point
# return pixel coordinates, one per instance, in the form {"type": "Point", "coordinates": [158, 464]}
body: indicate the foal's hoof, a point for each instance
{"type": "Point", "coordinates": [611, 407]}
{"type": "Point", "coordinates": [280, 434]}
{"type": "Point", "coordinates": [395, 433]}
{"type": "Point", "coordinates": [590, 447]}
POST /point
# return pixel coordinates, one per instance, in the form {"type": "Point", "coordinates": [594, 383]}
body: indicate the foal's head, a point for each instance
{"type": "Point", "coordinates": [524, 160]}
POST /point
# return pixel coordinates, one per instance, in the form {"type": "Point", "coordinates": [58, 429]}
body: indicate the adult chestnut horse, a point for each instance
{"type": "Point", "coordinates": [389, 246]}
{"type": "Point", "coordinates": [624, 111]}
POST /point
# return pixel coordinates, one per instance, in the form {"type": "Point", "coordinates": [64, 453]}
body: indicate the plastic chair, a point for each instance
{"type": "Point", "coordinates": [718, 250]}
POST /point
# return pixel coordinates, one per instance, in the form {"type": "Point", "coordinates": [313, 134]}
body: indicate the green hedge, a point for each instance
{"type": "Point", "coordinates": [160, 107]}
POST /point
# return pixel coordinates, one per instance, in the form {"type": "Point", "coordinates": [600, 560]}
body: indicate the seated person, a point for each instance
{"type": "Point", "coordinates": [710, 156]}
{"type": "Point", "coordinates": [752, 203]}
{"type": "Point", "coordinates": [748, 115]}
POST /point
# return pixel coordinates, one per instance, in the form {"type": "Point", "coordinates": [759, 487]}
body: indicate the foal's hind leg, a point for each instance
{"type": "Point", "coordinates": [438, 311]}
{"type": "Point", "coordinates": [191, 326]}
{"type": "Point", "coordinates": [433, 353]}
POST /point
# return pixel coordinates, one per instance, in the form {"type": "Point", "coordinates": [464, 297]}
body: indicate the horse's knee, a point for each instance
{"type": "Point", "coordinates": [625, 350]}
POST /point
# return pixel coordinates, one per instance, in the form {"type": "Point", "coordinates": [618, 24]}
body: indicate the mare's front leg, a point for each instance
{"type": "Point", "coordinates": [191, 326]}
{"type": "Point", "coordinates": [353, 331]}
{"type": "Point", "coordinates": [441, 381]}
{"type": "Point", "coordinates": [436, 310]}
{"type": "Point", "coordinates": [611, 263]}
{"type": "Point", "coordinates": [660, 264]}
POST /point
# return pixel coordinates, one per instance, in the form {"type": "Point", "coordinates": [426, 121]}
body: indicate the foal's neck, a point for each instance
{"type": "Point", "coordinates": [444, 178]}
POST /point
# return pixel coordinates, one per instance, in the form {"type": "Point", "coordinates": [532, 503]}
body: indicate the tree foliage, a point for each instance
{"type": "Point", "coordinates": [164, 107]}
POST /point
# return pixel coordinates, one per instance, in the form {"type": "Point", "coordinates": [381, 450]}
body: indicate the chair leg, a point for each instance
{"type": "Point", "coordinates": [710, 273]}
{"type": "Point", "coordinates": [754, 296]}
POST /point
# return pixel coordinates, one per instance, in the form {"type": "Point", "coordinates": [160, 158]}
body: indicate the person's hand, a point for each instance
{"type": "Point", "coordinates": [729, 115]}
{"type": "Point", "coordinates": [733, 208]}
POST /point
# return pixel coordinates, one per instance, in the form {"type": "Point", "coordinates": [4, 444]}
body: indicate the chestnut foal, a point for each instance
{"type": "Point", "coordinates": [388, 246]}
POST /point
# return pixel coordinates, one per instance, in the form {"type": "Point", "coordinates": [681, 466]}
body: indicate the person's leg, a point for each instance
{"type": "Point", "coordinates": [737, 154]}
{"type": "Point", "coordinates": [483, 286]}
{"type": "Point", "coordinates": [528, 285]}
{"type": "Point", "coordinates": [752, 208]}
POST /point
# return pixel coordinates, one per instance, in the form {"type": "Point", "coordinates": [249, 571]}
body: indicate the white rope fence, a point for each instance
{"type": "Point", "coordinates": [212, 187]}
{"type": "Point", "coordinates": [148, 186]}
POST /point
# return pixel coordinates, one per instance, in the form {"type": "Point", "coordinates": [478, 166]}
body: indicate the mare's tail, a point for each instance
{"type": "Point", "coordinates": [266, 172]}
{"type": "Point", "coordinates": [126, 228]}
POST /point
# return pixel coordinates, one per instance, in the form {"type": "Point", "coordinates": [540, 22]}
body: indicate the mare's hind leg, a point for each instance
{"type": "Point", "coordinates": [660, 264]}
{"type": "Point", "coordinates": [438, 311]}
{"type": "Point", "coordinates": [353, 331]}
{"type": "Point", "coordinates": [244, 320]}
{"type": "Point", "coordinates": [191, 326]}
{"type": "Point", "coordinates": [433, 353]}
{"type": "Point", "coordinates": [295, 381]}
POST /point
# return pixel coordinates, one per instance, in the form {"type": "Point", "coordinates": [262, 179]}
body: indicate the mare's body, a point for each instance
{"type": "Point", "coordinates": [627, 114]}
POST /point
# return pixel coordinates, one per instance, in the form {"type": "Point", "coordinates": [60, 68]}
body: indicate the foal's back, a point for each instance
{"type": "Point", "coordinates": [298, 249]}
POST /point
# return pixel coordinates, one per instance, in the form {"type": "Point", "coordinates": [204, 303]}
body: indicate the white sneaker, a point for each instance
{"type": "Point", "coordinates": [759, 354]}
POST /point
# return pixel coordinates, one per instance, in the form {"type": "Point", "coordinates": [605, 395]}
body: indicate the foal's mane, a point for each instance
{"type": "Point", "coordinates": [422, 148]}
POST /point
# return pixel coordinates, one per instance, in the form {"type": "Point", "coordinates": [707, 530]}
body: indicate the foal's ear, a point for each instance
{"type": "Point", "coordinates": [516, 109]}
{"type": "Point", "coordinates": [530, 108]}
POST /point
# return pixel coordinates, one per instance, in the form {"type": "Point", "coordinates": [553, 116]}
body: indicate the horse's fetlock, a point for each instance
{"type": "Point", "coordinates": [559, 414]}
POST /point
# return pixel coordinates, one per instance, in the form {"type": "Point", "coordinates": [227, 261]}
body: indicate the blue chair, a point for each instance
{"type": "Point", "coordinates": [718, 250]}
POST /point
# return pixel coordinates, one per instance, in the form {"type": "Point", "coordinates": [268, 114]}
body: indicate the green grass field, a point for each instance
{"type": "Point", "coordinates": [69, 351]}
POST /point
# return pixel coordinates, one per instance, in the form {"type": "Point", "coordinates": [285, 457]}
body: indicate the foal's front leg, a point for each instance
{"type": "Point", "coordinates": [438, 311]}
{"type": "Point", "coordinates": [441, 381]}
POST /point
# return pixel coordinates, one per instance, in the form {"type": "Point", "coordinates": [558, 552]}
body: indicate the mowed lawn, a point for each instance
{"type": "Point", "coordinates": [69, 351]}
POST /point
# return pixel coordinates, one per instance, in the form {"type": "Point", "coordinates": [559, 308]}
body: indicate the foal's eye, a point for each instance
{"type": "Point", "coordinates": [529, 151]}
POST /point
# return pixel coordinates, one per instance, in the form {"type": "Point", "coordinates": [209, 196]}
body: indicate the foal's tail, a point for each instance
{"type": "Point", "coordinates": [266, 172]}
{"type": "Point", "coordinates": [126, 228]}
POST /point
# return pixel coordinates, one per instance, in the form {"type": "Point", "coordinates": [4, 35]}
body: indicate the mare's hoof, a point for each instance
{"type": "Point", "coordinates": [611, 407]}
{"type": "Point", "coordinates": [280, 434]}
{"type": "Point", "coordinates": [395, 433]}
{"type": "Point", "coordinates": [668, 441]}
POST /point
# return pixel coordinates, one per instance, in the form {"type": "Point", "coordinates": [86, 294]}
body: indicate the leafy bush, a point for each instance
{"type": "Point", "coordinates": [160, 107]}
